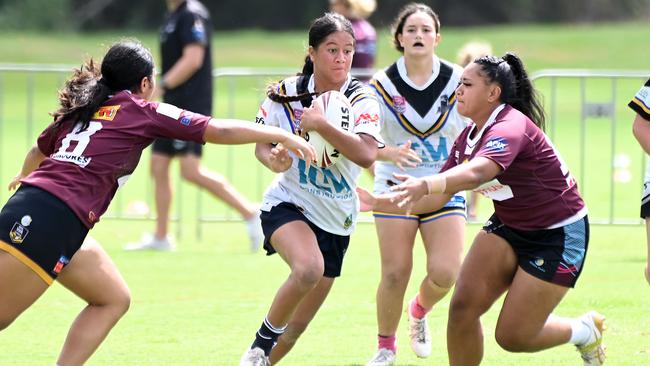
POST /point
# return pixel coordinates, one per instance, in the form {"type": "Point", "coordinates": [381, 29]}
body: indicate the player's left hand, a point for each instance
{"type": "Point", "coordinates": [280, 160]}
{"type": "Point", "coordinates": [409, 191]}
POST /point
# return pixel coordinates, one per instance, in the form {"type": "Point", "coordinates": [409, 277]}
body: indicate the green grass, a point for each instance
{"type": "Point", "coordinates": [202, 305]}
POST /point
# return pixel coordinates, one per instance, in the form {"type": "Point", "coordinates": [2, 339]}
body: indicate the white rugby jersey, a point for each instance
{"type": "Point", "coordinates": [426, 115]}
{"type": "Point", "coordinates": [326, 196]}
{"type": "Point", "coordinates": [641, 104]}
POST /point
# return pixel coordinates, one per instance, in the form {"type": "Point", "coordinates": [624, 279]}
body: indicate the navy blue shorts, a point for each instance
{"type": "Point", "coordinates": [177, 147]}
{"type": "Point", "coordinates": [41, 231]}
{"type": "Point", "coordinates": [332, 246]}
{"type": "Point", "coordinates": [552, 255]}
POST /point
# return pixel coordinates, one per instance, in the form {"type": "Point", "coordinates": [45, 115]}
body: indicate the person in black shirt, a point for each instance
{"type": "Point", "coordinates": [187, 83]}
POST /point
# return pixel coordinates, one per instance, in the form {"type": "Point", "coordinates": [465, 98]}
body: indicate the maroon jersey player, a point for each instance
{"type": "Point", "coordinates": [534, 246]}
{"type": "Point", "coordinates": [70, 176]}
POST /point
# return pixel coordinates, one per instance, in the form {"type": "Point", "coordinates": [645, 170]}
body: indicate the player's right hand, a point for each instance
{"type": "Point", "coordinates": [405, 157]}
{"type": "Point", "coordinates": [280, 160]}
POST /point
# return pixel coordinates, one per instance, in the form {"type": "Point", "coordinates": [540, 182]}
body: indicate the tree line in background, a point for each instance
{"type": "Point", "coordinates": [296, 14]}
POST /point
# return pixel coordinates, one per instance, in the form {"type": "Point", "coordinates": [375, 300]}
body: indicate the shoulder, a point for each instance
{"type": "Point", "coordinates": [196, 8]}
{"type": "Point", "coordinates": [290, 85]}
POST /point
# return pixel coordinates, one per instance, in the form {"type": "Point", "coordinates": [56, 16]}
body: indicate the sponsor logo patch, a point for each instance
{"type": "Point", "coordinates": [18, 233]}
{"type": "Point", "coordinates": [63, 260]}
{"type": "Point", "coordinates": [400, 103]}
{"type": "Point", "coordinates": [497, 144]}
{"type": "Point", "coordinates": [106, 113]}
{"type": "Point", "coordinates": [185, 121]}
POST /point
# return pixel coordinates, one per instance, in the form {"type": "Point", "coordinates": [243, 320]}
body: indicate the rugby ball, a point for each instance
{"type": "Point", "coordinates": [338, 112]}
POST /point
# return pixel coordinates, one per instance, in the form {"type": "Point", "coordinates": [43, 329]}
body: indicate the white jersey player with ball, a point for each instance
{"type": "Point", "coordinates": [310, 210]}
{"type": "Point", "coordinates": [326, 194]}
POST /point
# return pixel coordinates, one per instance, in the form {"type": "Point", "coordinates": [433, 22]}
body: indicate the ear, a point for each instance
{"type": "Point", "coordinates": [495, 93]}
{"type": "Point", "coordinates": [144, 84]}
{"type": "Point", "coordinates": [437, 40]}
{"type": "Point", "coordinates": [312, 53]}
{"type": "Point", "coordinates": [399, 39]}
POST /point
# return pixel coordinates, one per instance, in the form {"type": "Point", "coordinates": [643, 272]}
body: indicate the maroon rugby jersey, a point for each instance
{"type": "Point", "coordinates": [534, 189]}
{"type": "Point", "coordinates": [84, 169]}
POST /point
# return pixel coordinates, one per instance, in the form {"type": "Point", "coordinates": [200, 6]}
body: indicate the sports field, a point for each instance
{"type": "Point", "coordinates": [202, 304]}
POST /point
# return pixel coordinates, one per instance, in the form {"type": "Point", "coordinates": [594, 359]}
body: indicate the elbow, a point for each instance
{"type": "Point", "coordinates": [367, 159]}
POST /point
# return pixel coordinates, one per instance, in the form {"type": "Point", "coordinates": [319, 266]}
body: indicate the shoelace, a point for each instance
{"type": "Point", "coordinates": [382, 356]}
{"type": "Point", "coordinates": [420, 331]}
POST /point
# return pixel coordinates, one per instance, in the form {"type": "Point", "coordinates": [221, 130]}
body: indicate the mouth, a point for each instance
{"type": "Point", "coordinates": [418, 44]}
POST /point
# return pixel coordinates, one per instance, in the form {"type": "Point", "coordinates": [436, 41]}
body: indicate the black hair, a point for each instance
{"type": "Point", "coordinates": [409, 9]}
{"type": "Point", "coordinates": [516, 88]}
{"type": "Point", "coordinates": [320, 29]}
{"type": "Point", "coordinates": [123, 67]}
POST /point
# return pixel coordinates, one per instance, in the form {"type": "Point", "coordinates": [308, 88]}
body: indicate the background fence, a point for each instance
{"type": "Point", "coordinates": [587, 119]}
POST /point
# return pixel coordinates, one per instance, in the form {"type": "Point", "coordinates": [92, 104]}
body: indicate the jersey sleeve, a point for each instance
{"type": "Point", "coordinates": [503, 141]}
{"type": "Point", "coordinates": [454, 153]}
{"type": "Point", "coordinates": [367, 115]}
{"type": "Point", "coordinates": [46, 142]}
{"type": "Point", "coordinates": [266, 113]}
{"type": "Point", "coordinates": [192, 29]}
{"type": "Point", "coordinates": [641, 101]}
{"type": "Point", "coordinates": [169, 121]}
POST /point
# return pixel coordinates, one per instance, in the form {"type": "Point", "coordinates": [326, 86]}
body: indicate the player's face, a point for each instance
{"type": "Point", "coordinates": [475, 96]}
{"type": "Point", "coordinates": [332, 60]}
{"type": "Point", "coordinates": [419, 36]}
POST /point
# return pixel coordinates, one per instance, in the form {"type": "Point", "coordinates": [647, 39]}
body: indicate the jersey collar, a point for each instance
{"type": "Point", "coordinates": [311, 87]}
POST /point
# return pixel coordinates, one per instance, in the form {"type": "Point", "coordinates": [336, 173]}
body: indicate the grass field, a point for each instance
{"type": "Point", "coordinates": [202, 305]}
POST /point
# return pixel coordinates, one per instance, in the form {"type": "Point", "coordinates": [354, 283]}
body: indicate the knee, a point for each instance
{"type": "Point", "coordinates": [462, 309]}
{"type": "Point", "coordinates": [118, 304]}
{"type": "Point", "coordinates": [443, 277]}
{"type": "Point", "coordinates": [308, 276]}
{"type": "Point", "coordinates": [190, 175]}
{"type": "Point", "coordinates": [509, 340]}
{"type": "Point", "coordinates": [396, 277]}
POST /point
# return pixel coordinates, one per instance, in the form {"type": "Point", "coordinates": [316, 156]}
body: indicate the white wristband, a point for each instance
{"type": "Point", "coordinates": [436, 183]}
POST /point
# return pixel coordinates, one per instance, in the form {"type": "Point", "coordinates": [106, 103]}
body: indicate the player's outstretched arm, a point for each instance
{"type": "Point", "coordinates": [33, 159]}
{"type": "Point", "coordinates": [232, 132]}
{"type": "Point", "coordinates": [387, 202]}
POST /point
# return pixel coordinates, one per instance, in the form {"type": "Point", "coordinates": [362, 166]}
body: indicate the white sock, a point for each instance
{"type": "Point", "coordinates": [580, 332]}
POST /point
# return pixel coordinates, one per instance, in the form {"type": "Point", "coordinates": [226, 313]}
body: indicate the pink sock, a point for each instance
{"type": "Point", "coordinates": [416, 309]}
{"type": "Point", "coordinates": [387, 342]}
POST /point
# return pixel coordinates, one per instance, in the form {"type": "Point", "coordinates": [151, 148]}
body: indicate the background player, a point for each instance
{"type": "Point", "coordinates": [187, 83]}
{"type": "Point", "coordinates": [641, 128]}
{"type": "Point", "coordinates": [419, 124]}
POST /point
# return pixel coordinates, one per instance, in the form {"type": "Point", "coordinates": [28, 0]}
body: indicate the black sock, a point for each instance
{"type": "Point", "coordinates": [267, 336]}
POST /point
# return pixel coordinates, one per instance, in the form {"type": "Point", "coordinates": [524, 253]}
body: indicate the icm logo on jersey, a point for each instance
{"type": "Point", "coordinates": [430, 153]}
{"type": "Point", "coordinates": [106, 113]}
{"type": "Point", "coordinates": [497, 144]}
{"type": "Point", "coordinates": [323, 182]}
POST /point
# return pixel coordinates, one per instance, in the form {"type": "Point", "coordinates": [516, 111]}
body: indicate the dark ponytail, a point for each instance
{"type": "Point", "coordinates": [320, 28]}
{"type": "Point", "coordinates": [516, 88]}
{"type": "Point", "coordinates": [124, 66]}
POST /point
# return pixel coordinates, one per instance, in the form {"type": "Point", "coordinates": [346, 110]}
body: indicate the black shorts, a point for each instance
{"type": "Point", "coordinates": [332, 246]}
{"type": "Point", "coordinates": [41, 231]}
{"type": "Point", "coordinates": [177, 147]}
{"type": "Point", "coordinates": [645, 201]}
{"type": "Point", "coordinates": [552, 255]}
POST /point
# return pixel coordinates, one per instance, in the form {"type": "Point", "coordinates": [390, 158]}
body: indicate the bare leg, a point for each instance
{"type": "Point", "coordinates": [486, 273]}
{"type": "Point", "coordinates": [215, 183]}
{"type": "Point", "coordinates": [163, 192]}
{"type": "Point", "coordinates": [296, 244]}
{"type": "Point", "coordinates": [92, 276]}
{"type": "Point", "coordinates": [647, 266]}
{"type": "Point", "coordinates": [301, 318]}
{"type": "Point", "coordinates": [20, 287]}
{"type": "Point", "coordinates": [524, 324]}
{"type": "Point", "coordinates": [443, 242]}
{"type": "Point", "coordinates": [396, 238]}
